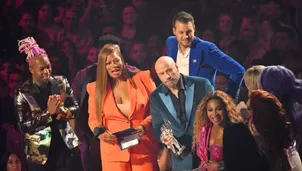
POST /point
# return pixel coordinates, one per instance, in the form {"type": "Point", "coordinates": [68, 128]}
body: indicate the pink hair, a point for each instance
{"type": "Point", "coordinates": [30, 47]}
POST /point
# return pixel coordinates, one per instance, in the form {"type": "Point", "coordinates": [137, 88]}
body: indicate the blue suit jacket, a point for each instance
{"type": "Point", "coordinates": [206, 59]}
{"type": "Point", "coordinates": [162, 109]}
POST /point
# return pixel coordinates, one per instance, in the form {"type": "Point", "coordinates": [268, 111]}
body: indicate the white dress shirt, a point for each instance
{"type": "Point", "coordinates": [182, 61]}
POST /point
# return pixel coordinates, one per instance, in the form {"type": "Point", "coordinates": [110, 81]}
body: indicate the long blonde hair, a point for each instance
{"type": "Point", "coordinates": [102, 79]}
{"type": "Point", "coordinates": [201, 116]}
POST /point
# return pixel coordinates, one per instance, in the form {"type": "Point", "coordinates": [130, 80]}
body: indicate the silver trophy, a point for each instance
{"type": "Point", "coordinates": [176, 147]}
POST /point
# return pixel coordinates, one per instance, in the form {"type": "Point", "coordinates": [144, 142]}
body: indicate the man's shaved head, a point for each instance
{"type": "Point", "coordinates": [167, 71]}
{"type": "Point", "coordinates": [164, 60]}
{"type": "Point", "coordinates": [40, 68]}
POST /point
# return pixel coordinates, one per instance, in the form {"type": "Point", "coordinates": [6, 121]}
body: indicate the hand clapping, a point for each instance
{"type": "Point", "coordinates": [53, 104]}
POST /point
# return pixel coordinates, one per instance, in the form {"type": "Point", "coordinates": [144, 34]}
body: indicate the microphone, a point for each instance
{"type": "Point", "coordinates": [98, 131]}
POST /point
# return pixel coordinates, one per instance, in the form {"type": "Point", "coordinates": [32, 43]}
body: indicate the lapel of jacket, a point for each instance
{"type": "Point", "coordinates": [174, 50]}
{"type": "Point", "coordinates": [189, 92]}
{"type": "Point", "coordinates": [195, 58]}
{"type": "Point", "coordinates": [55, 86]}
{"type": "Point", "coordinates": [32, 89]}
{"type": "Point", "coordinates": [168, 105]}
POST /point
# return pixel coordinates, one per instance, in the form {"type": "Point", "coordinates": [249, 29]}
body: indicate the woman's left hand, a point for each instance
{"type": "Point", "coordinates": [140, 130]}
{"type": "Point", "coordinates": [212, 166]}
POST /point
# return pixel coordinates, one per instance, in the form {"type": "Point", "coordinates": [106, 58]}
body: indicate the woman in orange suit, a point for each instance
{"type": "Point", "coordinates": [118, 100]}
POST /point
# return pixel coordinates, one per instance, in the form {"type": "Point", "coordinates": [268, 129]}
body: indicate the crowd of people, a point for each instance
{"type": "Point", "coordinates": [88, 85]}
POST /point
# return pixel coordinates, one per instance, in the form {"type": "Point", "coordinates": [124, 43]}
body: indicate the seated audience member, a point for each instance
{"type": "Point", "coordinates": [8, 120]}
{"type": "Point", "coordinates": [139, 57]}
{"type": "Point", "coordinates": [12, 162]}
{"type": "Point", "coordinates": [92, 56]}
{"type": "Point", "coordinates": [221, 82]}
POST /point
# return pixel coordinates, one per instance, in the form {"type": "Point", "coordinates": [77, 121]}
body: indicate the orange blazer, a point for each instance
{"type": "Point", "coordinates": [115, 121]}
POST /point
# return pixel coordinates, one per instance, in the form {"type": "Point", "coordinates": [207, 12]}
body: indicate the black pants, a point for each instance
{"type": "Point", "coordinates": [60, 158]}
{"type": "Point", "coordinates": [94, 157]}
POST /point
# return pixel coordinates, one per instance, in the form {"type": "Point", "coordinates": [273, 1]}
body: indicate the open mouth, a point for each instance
{"type": "Point", "coordinates": [217, 118]}
{"type": "Point", "coordinates": [116, 71]}
{"type": "Point", "coordinates": [46, 77]}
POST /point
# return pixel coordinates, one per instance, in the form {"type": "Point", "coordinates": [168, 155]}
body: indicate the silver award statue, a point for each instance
{"type": "Point", "coordinates": [176, 147]}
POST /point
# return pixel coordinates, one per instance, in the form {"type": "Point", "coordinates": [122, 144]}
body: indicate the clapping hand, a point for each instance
{"type": "Point", "coordinates": [53, 104]}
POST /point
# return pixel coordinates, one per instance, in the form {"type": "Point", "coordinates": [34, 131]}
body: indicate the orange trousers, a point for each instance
{"type": "Point", "coordinates": [137, 163]}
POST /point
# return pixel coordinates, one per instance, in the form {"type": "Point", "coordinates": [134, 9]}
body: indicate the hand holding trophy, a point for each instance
{"type": "Point", "coordinates": [170, 141]}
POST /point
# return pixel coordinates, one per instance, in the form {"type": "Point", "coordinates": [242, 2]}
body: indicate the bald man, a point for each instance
{"type": "Point", "coordinates": [176, 100]}
{"type": "Point", "coordinates": [50, 141]}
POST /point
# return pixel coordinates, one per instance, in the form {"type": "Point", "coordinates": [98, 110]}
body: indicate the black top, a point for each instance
{"type": "Point", "coordinates": [240, 150]}
{"type": "Point", "coordinates": [179, 103]}
{"type": "Point", "coordinates": [7, 111]}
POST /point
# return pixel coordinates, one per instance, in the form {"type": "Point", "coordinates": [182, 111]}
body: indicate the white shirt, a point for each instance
{"type": "Point", "coordinates": [183, 60]}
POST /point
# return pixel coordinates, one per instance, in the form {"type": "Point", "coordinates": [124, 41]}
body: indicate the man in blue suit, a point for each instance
{"type": "Point", "coordinates": [196, 57]}
{"type": "Point", "coordinates": [176, 100]}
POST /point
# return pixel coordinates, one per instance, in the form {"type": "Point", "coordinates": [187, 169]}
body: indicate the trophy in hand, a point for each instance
{"type": "Point", "coordinates": [176, 147]}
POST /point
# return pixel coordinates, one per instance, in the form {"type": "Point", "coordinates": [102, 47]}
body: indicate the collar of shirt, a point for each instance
{"type": "Point", "coordinates": [167, 91]}
{"type": "Point", "coordinates": [186, 52]}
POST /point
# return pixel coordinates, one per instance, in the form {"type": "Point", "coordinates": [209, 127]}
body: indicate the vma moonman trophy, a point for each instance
{"type": "Point", "coordinates": [176, 147]}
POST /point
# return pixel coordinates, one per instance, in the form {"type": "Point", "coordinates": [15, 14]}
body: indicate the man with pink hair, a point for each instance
{"type": "Point", "coordinates": [44, 105]}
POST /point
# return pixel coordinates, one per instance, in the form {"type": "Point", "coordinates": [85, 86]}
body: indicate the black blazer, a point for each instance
{"type": "Point", "coordinates": [240, 150]}
{"type": "Point", "coordinates": [82, 118]}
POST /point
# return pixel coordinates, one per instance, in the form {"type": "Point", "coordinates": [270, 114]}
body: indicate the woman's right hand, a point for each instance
{"type": "Point", "coordinates": [108, 137]}
{"type": "Point", "coordinates": [241, 106]}
{"type": "Point", "coordinates": [244, 111]}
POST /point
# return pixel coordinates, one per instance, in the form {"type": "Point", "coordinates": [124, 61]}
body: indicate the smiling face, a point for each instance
{"type": "Point", "coordinates": [184, 33]}
{"type": "Point", "coordinates": [40, 68]}
{"type": "Point", "coordinates": [216, 112]}
{"type": "Point", "coordinates": [114, 65]}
